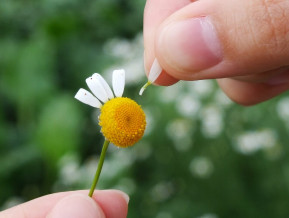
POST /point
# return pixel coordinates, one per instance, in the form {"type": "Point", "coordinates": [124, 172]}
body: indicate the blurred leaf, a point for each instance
{"type": "Point", "coordinates": [28, 75]}
{"type": "Point", "coordinates": [58, 128]}
{"type": "Point", "coordinates": [20, 157]}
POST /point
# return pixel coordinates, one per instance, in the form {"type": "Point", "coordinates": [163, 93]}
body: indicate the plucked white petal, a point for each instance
{"type": "Point", "coordinates": [87, 98]}
{"type": "Point", "coordinates": [118, 80]}
{"type": "Point", "coordinates": [155, 71]}
{"type": "Point", "coordinates": [144, 87]}
{"type": "Point", "coordinates": [104, 85]}
{"type": "Point", "coordinates": [97, 89]}
{"type": "Point", "coordinates": [141, 90]}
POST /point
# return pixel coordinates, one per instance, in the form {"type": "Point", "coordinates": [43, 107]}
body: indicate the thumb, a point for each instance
{"type": "Point", "coordinates": [75, 206]}
{"type": "Point", "coordinates": [224, 39]}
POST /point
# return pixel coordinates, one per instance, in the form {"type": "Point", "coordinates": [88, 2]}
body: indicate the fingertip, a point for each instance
{"type": "Point", "coordinates": [75, 206]}
{"type": "Point", "coordinates": [164, 79]}
{"type": "Point", "coordinates": [155, 13]}
{"type": "Point", "coordinates": [114, 203]}
{"type": "Point", "coordinates": [123, 194]}
{"type": "Point", "coordinates": [248, 93]}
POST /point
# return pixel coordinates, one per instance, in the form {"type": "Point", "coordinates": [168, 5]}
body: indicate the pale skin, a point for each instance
{"type": "Point", "coordinates": [252, 38]}
{"type": "Point", "coordinates": [254, 44]}
{"type": "Point", "coordinates": [104, 204]}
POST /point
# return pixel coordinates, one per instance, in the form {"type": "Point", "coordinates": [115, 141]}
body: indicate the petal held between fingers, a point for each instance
{"type": "Point", "coordinates": [87, 98]}
{"type": "Point", "coordinates": [97, 89]}
{"type": "Point", "coordinates": [118, 82]}
{"type": "Point", "coordinates": [144, 87]}
{"type": "Point", "coordinates": [104, 85]}
{"type": "Point", "coordinates": [155, 71]}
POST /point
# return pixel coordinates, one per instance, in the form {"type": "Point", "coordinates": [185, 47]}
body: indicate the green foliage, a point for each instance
{"type": "Point", "coordinates": [202, 155]}
{"type": "Point", "coordinates": [57, 131]}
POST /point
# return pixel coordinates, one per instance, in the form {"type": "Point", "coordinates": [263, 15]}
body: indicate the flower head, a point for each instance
{"type": "Point", "coordinates": [122, 119]}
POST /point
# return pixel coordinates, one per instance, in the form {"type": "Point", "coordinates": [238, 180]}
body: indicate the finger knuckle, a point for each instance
{"type": "Point", "coordinates": [271, 21]}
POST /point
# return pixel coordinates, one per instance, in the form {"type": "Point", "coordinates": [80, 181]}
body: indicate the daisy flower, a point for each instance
{"type": "Point", "coordinates": [121, 119]}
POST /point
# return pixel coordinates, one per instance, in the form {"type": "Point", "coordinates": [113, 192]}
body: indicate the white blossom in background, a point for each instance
{"type": "Point", "coordinates": [184, 145]}
{"type": "Point", "coordinates": [212, 121]}
{"type": "Point", "coordinates": [283, 110]}
{"type": "Point", "coordinates": [11, 202]}
{"type": "Point", "coordinates": [170, 93]}
{"type": "Point", "coordinates": [143, 150]}
{"type": "Point", "coordinates": [222, 99]}
{"type": "Point", "coordinates": [253, 141]}
{"type": "Point", "coordinates": [120, 160]}
{"type": "Point", "coordinates": [162, 191]}
{"type": "Point", "coordinates": [180, 131]}
{"type": "Point", "coordinates": [188, 106]}
{"type": "Point", "coordinates": [164, 214]}
{"type": "Point", "coordinates": [74, 174]}
{"type": "Point", "coordinates": [127, 185]}
{"type": "Point", "coordinates": [135, 71]}
{"type": "Point", "coordinates": [201, 167]}
{"type": "Point", "coordinates": [208, 215]}
{"type": "Point", "coordinates": [151, 116]}
{"type": "Point", "coordinates": [117, 47]}
{"type": "Point", "coordinates": [202, 88]}
{"type": "Point", "coordinates": [69, 170]}
{"type": "Point", "coordinates": [130, 56]}
{"type": "Point", "coordinates": [123, 48]}
{"type": "Point", "coordinates": [179, 128]}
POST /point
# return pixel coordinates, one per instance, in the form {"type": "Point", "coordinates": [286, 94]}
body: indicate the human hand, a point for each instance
{"type": "Point", "coordinates": [75, 204]}
{"type": "Point", "coordinates": [243, 43]}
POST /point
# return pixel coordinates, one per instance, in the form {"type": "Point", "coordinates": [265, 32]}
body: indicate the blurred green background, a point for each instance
{"type": "Point", "coordinates": [202, 155]}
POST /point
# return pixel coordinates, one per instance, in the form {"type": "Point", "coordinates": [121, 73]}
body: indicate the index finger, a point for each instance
{"type": "Point", "coordinates": [156, 11]}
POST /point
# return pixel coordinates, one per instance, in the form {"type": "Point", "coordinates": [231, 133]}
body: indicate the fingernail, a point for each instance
{"type": "Point", "coordinates": [125, 196]}
{"type": "Point", "coordinates": [191, 45]}
{"type": "Point", "coordinates": [121, 193]}
{"type": "Point", "coordinates": [75, 206]}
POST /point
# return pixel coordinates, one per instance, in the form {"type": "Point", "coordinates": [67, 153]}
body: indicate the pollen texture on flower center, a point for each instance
{"type": "Point", "coordinates": [122, 121]}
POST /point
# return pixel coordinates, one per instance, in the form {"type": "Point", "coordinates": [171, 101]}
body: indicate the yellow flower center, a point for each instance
{"type": "Point", "coordinates": [122, 121]}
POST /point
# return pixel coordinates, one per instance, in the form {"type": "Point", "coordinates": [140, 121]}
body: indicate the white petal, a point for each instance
{"type": "Point", "coordinates": [87, 98]}
{"type": "Point", "coordinates": [141, 90]}
{"type": "Point", "coordinates": [144, 87]}
{"type": "Point", "coordinates": [97, 89]}
{"type": "Point", "coordinates": [118, 80]}
{"type": "Point", "coordinates": [104, 85]}
{"type": "Point", "coordinates": [155, 71]}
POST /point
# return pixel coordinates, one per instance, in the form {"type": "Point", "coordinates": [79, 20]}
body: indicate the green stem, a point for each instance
{"type": "Point", "coordinates": [99, 167]}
